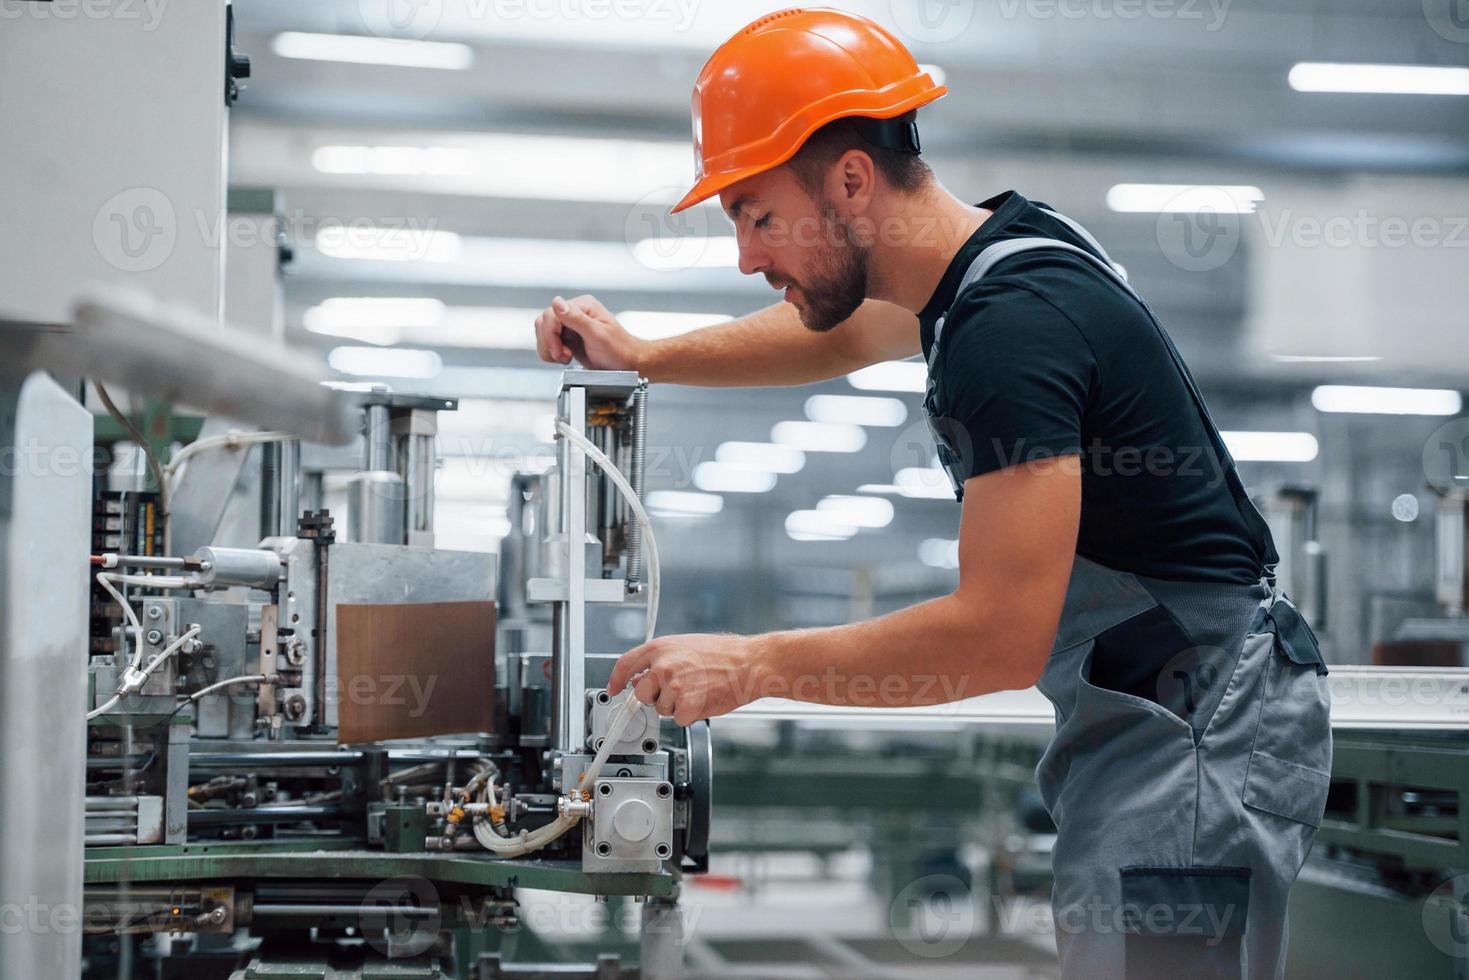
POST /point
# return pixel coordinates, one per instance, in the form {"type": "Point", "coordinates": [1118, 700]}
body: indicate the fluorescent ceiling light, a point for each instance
{"type": "Point", "coordinates": [684, 503]}
{"type": "Point", "coordinates": [656, 324]}
{"type": "Point", "coordinates": [1271, 447]}
{"type": "Point", "coordinates": [813, 525]}
{"type": "Point", "coordinates": [362, 50]}
{"type": "Point", "coordinates": [423, 321]}
{"type": "Point", "coordinates": [891, 376]}
{"type": "Point", "coordinates": [385, 362]}
{"type": "Point", "coordinates": [674, 254]}
{"type": "Point", "coordinates": [648, 173]}
{"type": "Point", "coordinates": [1329, 76]}
{"type": "Point", "coordinates": [430, 161]}
{"type": "Point", "coordinates": [891, 489]}
{"type": "Point", "coordinates": [723, 478]}
{"type": "Point", "coordinates": [924, 482]}
{"type": "Point", "coordinates": [387, 244]}
{"type": "Point", "coordinates": [857, 511]}
{"type": "Point", "coordinates": [766, 457]}
{"type": "Point", "coordinates": [1324, 358]}
{"type": "Point", "coordinates": [1184, 198]}
{"type": "Point", "coordinates": [939, 553]}
{"type": "Point", "coordinates": [371, 319]}
{"type": "Point", "coordinates": [820, 437]}
{"type": "Point", "coordinates": [1386, 401]}
{"type": "Point", "coordinates": [856, 409]}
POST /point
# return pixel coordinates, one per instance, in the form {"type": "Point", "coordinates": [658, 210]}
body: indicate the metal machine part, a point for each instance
{"type": "Point", "coordinates": [234, 739]}
{"type": "Point", "coordinates": [43, 638]}
{"type": "Point", "coordinates": [117, 820]}
{"type": "Point", "coordinates": [631, 827]}
{"type": "Point", "coordinates": [639, 735]}
{"type": "Point", "coordinates": [255, 568]}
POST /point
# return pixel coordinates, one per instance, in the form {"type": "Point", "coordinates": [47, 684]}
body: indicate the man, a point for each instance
{"type": "Point", "coordinates": [1107, 549]}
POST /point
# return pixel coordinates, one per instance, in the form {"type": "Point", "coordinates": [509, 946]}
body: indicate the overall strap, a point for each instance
{"type": "Point", "coordinates": [999, 251]}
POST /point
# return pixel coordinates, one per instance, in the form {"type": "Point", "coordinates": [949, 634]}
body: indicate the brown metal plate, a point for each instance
{"type": "Point", "coordinates": [410, 670]}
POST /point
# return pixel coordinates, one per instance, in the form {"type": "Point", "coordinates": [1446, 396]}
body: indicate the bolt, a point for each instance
{"type": "Point", "coordinates": [295, 707]}
{"type": "Point", "coordinates": [153, 636]}
{"type": "Point", "coordinates": [155, 612]}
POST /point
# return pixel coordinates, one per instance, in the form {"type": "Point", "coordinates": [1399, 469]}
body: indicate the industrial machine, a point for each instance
{"type": "Point", "coordinates": [325, 752]}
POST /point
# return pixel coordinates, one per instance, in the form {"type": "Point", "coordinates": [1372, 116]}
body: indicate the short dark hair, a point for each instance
{"type": "Point", "coordinates": [904, 170]}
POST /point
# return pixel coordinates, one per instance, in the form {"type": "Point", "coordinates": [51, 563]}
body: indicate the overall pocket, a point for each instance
{"type": "Point", "coordinates": [1290, 763]}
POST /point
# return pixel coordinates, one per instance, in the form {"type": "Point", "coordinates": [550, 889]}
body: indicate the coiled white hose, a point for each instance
{"type": "Point", "coordinates": [532, 840]}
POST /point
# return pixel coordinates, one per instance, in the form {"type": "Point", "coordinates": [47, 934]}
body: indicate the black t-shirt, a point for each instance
{"type": "Point", "coordinates": [1047, 356]}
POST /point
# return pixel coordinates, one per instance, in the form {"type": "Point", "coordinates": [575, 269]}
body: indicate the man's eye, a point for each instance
{"type": "Point", "coordinates": [762, 222]}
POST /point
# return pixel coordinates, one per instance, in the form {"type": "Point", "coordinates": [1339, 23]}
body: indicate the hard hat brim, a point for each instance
{"type": "Point", "coordinates": [713, 183]}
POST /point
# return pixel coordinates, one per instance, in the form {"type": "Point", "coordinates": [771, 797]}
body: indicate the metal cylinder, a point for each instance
{"type": "Point", "coordinates": [280, 488]}
{"type": "Point", "coordinates": [378, 439]}
{"type": "Point", "coordinates": [375, 513]}
{"type": "Point", "coordinates": [418, 472]}
{"type": "Point", "coordinates": [252, 567]}
{"type": "Point", "coordinates": [635, 477]}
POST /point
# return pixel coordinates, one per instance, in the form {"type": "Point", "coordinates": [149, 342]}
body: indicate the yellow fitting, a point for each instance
{"type": "Point", "coordinates": [497, 813]}
{"type": "Point", "coordinates": [454, 816]}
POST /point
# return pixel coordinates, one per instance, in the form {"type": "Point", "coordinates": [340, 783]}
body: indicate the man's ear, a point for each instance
{"type": "Point", "coordinates": [853, 181]}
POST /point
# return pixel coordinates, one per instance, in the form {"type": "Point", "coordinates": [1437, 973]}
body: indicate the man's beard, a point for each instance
{"type": "Point", "coordinates": [839, 283]}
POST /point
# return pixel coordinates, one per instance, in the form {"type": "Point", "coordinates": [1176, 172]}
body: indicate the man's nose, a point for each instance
{"type": "Point", "coordinates": [753, 259]}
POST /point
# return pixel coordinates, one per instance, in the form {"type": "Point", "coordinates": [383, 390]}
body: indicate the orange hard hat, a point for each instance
{"type": "Point", "coordinates": [777, 81]}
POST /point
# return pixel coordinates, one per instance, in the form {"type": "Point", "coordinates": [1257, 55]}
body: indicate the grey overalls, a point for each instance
{"type": "Point", "coordinates": [1185, 798]}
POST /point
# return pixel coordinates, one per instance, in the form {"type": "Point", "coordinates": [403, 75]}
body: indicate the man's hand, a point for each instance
{"type": "Point", "coordinates": [582, 328]}
{"type": "Point", "coordinates": [689, 677]}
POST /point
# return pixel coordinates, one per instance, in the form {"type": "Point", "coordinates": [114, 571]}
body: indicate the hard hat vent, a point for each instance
{"type": "Point", "coordinates": [770, 19]}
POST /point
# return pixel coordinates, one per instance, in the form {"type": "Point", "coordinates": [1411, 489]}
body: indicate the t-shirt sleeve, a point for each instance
{"type": "Point", "coordinates": [1015, 376]}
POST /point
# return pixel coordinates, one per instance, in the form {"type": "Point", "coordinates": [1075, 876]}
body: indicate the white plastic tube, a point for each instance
{"type": "Point", "coordinates": [533, 840]}
{"type": "Point", "coordinates": [655, 577]}
{"type": "Point", "coordinates": [232, 439]}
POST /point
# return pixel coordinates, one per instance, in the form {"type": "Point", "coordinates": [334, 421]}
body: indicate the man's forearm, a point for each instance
{"type": "Point", "coordinates": [768, 347]}
{"type": "Point", "coordinates": [937, 651]}
{"type": "Point", "coordinates": [772, 347]}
